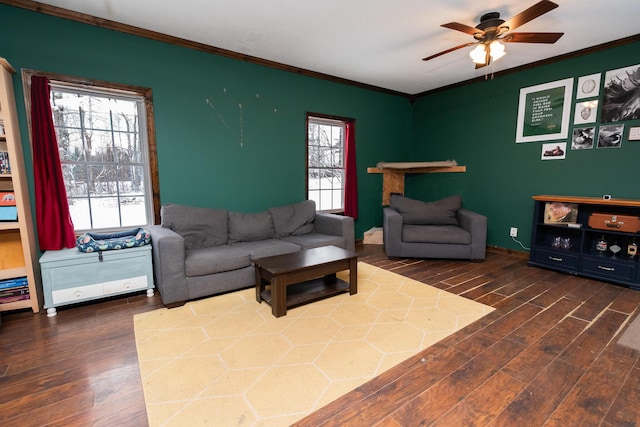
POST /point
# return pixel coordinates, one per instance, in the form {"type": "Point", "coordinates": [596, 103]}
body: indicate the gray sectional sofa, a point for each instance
{"type": "Point", "coordinates": [198, 252]}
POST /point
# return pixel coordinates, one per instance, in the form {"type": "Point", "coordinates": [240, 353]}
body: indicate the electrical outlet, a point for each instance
{"type": "Point", "coordinates": [513, 232]}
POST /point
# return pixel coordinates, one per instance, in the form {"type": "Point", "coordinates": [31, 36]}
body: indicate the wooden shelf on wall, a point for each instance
{"type": "Point", "coordinates": [393, 174]}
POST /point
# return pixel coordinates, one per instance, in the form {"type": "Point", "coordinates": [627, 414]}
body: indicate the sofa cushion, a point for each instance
{"type": "Point", "coordinates": [265, 248]}
{"type": "Point", "coordinates": [200, 227]}
{"type": "Point", "coordinates": [440, 212]}
{"type": "Point", "coordinates": [249, 227]}
{"type": "Point", "coordinates": [447, 234]}
{"type": "Point", "coordinates": [316, 240]}
{"type": "Point", "coordinates": [294, 219]}
{"type": "Point", "coordinates": [217, 259]}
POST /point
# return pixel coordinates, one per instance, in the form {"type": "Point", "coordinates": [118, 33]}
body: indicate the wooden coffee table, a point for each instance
{"type": "Point", "coordinates": [290, 280]}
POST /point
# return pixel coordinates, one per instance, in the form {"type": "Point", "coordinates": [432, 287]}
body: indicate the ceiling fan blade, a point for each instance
{"type": "Point", "coordinates": [462, 27]}
{"type": "Point", "coordinates": [448, 50]}
{"type": "Point", "coordinates": [533, 37]}
{"type": "Point", "coordinates": [527, 15]}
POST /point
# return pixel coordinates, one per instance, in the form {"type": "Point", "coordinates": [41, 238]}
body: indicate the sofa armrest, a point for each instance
{"type": "Point", "coordinates": [336, 225]}
{"type": "Point", "coordinates": [168, 264]}
{"type": "Point", "coordinates": [476, 225]}
{"type": "Point", "coordinates": [391, 231]}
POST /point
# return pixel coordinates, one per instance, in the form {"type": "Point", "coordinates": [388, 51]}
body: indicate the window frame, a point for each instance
{"type": "Point", "coordinates": [117, 89]}
{"type": "Point", "coordinates": [330, 120]}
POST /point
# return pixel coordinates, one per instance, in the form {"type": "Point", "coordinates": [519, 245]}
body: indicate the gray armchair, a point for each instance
{"type": "Point", "coordinates": [441, 229]}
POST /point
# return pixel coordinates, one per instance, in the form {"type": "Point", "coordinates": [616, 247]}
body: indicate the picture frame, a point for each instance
{"type": "Point", "coordinates": [610, 136]}
{"type": "Point", "coordinates": [554, 151]}
{"type": "Point", "coordinates": [583, 138]}
{"type": "Point", "coordinates": [588, 86]}
{"type": "Point", "coordinates": [586, 112]}
{"type": "Point", "coordinates": [560, 213]}
{"type": "Point", "coordinates": [543, 111]}
{"type": "Point", "coordinates": [620, 95]}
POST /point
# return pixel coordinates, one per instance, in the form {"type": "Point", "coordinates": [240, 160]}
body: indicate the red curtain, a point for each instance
{"type": "Point", "coordinates": [351, 172]}
{"type": "Point", "coordinates": [55, 228]}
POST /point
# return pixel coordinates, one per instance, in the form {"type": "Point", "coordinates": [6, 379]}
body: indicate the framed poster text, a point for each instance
{"type": "Point", "coordinates": [543, 111]}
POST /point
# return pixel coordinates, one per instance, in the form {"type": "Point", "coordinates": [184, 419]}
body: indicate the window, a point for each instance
{"type": "Point", "coordinates": [105, 153]}
{"type": "Point", "coordinates": [325, 162]}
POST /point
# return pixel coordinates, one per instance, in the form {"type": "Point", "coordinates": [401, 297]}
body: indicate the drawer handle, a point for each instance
{"type": "Point", "coordinates": [606, 268]}
{"type": "Point", "coordinates": [552, 258]}
{"type": "Point", "coordinates": [77, 294]}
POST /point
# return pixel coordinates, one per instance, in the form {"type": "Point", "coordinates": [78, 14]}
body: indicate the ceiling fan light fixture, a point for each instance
{"type": "Point", "coordinates": [496, 50]}
{"type": "Point", "coordinates": [478, 54]}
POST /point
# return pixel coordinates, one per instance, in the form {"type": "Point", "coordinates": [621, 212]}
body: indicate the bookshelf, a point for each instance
{"type": "Point", "coordinates": [18, 253]}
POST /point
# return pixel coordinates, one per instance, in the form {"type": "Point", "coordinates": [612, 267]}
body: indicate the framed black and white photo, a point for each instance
{"type": "Point", "coordinates": [621, 95]}
{"type": "Point", "coordinates": [586, 112]}
{"type": "Point", "coordinates": [610, 136]}
{"type": "Point", "coordinates": [554, 151]}
{"type": "Point", "coordinates": [543, 111]}
{"type": "Point", "coordinates": [588, 86]}
{"type": "Point", "coordinates": [582, 138]}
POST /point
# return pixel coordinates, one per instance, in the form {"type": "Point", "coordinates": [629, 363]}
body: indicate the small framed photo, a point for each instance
{"type": "Point", "coordinates": [582, 138]}
{"type": "Point", "coordinates": [588, 86]}
{"type": "Point", "coordinates": [586, 112]}
{"type": "Point", "coordinates": [634, 133]}
{"type": "Point", "coordinates": [610, 136]}
{"type": "Point", "coordinates": [554, 151]}
{"type": "Point", "coordinates": [560, 213]}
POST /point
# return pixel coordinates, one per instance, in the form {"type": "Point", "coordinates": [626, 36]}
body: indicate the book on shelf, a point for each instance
{"type": "Point", "coordinates": [11, 292]}
{"type": "Point", "coordinates": [6, 300]}
{"type": "Point", "coordinates": [5, 165]}
{"type": "Point", "coordinates": [7, 198]}
{"type": "Point", "coordinates": [13, 283]}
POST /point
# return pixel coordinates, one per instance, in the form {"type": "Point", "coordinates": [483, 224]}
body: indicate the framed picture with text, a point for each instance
{"type": "Point", "coordinates": [543, 111]}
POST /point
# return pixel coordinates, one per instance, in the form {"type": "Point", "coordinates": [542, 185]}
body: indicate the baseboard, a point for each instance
{"type": "Point", "coordinates": [506, 251]}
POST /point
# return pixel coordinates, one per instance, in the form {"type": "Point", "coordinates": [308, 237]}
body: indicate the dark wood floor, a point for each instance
{"type": "Point", "coordinates": [546, 356]}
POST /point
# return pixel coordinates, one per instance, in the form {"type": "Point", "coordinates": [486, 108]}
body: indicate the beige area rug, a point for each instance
{"type": "Point", "coordinates": [226, 361]}
{"type": "Point", "coordinates": [631, 336]}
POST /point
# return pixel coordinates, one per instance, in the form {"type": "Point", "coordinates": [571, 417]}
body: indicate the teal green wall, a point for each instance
{"type": "Point", "coordinates": [201, 160]}
{"type": "Point", "coordinates": [476, 125]}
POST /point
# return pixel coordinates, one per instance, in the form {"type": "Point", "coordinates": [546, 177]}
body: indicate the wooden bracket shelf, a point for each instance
{"type": "Point", "coordinates": [393, 177]}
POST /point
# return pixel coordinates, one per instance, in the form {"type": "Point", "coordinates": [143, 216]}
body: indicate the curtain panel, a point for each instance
{"type": "Point", "coordinates": [53, 219]}
{"type": "Point", "coordinates": [351, 172]}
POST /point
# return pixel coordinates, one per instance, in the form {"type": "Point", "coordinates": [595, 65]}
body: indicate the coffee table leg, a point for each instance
{"type": "Point", "coordinates": [278, 297]}
{"type": "Point", "coordinates": [259, 285]}
{"type": "Point", "coordinates": [353, 276]}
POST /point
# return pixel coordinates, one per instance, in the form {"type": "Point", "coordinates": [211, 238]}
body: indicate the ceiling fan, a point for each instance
{"type": "Point", "coordinates": [492, 31]}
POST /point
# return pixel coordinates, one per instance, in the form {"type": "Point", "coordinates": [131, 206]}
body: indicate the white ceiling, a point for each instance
{"type": "Point", "coordinates": [375, 42]}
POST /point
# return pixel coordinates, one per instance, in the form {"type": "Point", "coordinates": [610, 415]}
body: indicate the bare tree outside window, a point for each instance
{"type": "Point", "coordinates": [102, 148]}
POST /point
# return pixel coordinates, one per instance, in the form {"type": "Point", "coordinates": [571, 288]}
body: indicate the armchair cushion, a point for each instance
{"type": "Point", "coordinates": [440, 212]}
{"type": "Point", "coordinates": [442, 234]}
{"type": "Point", "coordinates": [245, 227]}
{"type": "Point", "coordinates": [294, 219]}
